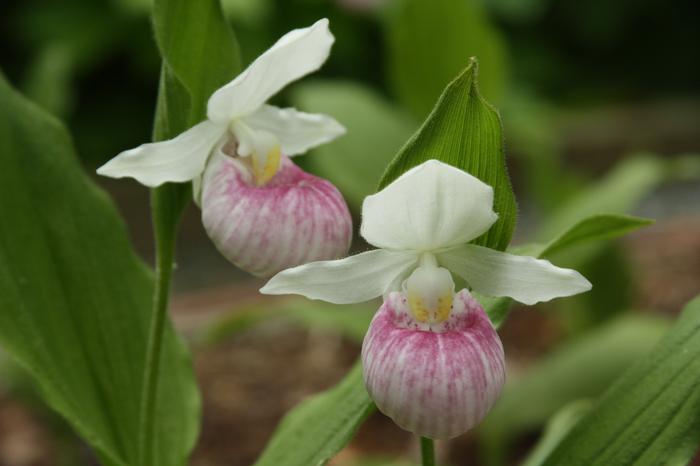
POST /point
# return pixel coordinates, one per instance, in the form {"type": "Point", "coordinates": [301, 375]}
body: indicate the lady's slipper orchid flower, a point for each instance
{"type": "Point", "coordinates": [262, 212]}
{"type": "Point", "coordinates": [432, 361]}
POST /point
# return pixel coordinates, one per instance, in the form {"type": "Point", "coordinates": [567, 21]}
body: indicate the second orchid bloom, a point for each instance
{"type": "Point", "coordinates": [432, 360]}
{"type": "Point", "coordinates": [262, 212]}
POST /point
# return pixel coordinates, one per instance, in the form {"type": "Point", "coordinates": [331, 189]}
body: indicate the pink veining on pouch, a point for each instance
{"type": "Point", "coordinates": [440, 382]}
{"type": "Point", "coordinates": [293, 219]}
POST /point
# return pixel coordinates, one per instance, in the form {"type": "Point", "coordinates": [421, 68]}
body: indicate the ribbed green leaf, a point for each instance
{"type": "Point", "coordinates": [595, 227]}
{"type": "Point", "coordinates": [583, 368]}
{"type": "Point", "coordinates": [319, 427]}
{"type": "Point", "coordinates": [429, 41]}
{"type": "Point", "coordinates": [75, 300]}
{"type": "Point", "coordinates": [465, 131]}
{"type": "Point", "coordinates": [557, 428]}
{"type": "Point", "coordinates": [651, 416]}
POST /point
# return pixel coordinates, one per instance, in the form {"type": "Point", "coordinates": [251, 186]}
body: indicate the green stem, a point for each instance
{"type": "Point", "coordinates": [427, 450]}
{"type": "Point", "coordinates": [166, 210]}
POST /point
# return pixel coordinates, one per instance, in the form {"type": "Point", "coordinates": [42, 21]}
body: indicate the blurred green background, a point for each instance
{"type": "Point", "coordinates": [601, 110]}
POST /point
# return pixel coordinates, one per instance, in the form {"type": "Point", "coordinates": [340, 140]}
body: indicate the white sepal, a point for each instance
{"type": "Point", "coordinates": [296, 131]}
{"type": "Point", "coordinates": [296, 54]}
{"type": "Point", "coordinates": [351, 280]}
{"type": "Point", "coordinates": [175, 160]}
{"type": "Point", "coordinates": [431, 206]}
{"type": "Point", "coordinates": [523, 278]}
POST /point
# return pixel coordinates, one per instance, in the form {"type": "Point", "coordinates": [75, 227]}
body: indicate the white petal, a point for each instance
{"type": "Point", "coordinates": [296, 131]}
{"type": "Point", "coordinates": [177, 160]}
{"type": "Point", "coordinates": [296, 54]}
{"type": "Point", "coordinates": [431, 206]}
{"type": "Point", "coordinates": [351, 280]}
{"type": "Point", "coordinates": [522, 278]}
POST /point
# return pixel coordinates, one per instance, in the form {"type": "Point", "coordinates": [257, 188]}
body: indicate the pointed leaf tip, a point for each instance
{"type": "Point", "coordinates": [464, 130]}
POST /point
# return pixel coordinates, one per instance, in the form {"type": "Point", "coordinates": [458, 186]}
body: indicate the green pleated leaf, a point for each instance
{"type": "Point", "coordinates": [557, 428]}
{"type": "Point", "coordinates": [595, 227]}
{"type": "Point", "coordinates": [75, 300]}
{"type": "Point", "coordinates": [465, 131]}
{"type": "Point", "coordinates": [651, 416]}
{"type": "Point", "coordinates": [429, 41]}
{"type": "Point", "coordinates": [376, 130]}
{"type": "Point", "coordinates": [321, 426]}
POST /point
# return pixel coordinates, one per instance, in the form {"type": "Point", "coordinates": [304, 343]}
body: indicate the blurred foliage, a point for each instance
{"type": "Point", "coordinates": [17, 384]}
{"type": "Point", "coordinates": [557, 427]}
{"type": "Point", "coordinates": [350, 321]}
{"type": "Point", "coordinates": [619, 191]}
{"type": "Point", "coordinates": [79, 57]}
{"type": "Point", "coordinates": [650, 415]}
{"type": "Point", "coordinates": [320, 426]}
{"type": "Point", "coordinates": [582, 368]}
{"type": "Point", "coordinates": [376, 131]}
{"type": "Point", "coordinates": [377, 461]}
{"type": "Point", "coordinates": [598, 50]}
{"type": "Point", "coordinates": [418, 29]}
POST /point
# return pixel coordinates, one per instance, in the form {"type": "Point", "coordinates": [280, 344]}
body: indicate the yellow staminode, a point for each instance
{"type": "Point", "coordinates": [430, 291]}
{"type": "Point", "coordinates": [435, 312]}
{"type": "Point", "coordinates": [265, 172]}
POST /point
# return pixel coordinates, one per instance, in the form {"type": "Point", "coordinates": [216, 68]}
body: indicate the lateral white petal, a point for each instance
{"type": "Point", "coordinates": [351, 280]}
{"type": "Point", "coordinates": [180, 159]}
{"type": "Point", "coordinates": [296, 54]}
{"type": "Point", "coordinates": [523, 278]}
{"type": "Point", "coordinates": [431, 206]}
{"type": "Point", "coordinates": [296, 131]}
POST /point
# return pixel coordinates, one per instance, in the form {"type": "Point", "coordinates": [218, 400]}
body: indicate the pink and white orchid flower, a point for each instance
{"type": "Point", "coordinates": [262, 212]}
{"type": "Point", "coordinates": [432, 360]}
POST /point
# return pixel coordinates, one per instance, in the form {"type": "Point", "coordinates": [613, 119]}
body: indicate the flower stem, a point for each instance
{"type": "Point", "coordinates": [167, 204]}
{"type": "Point", "coordinates": [427, 450]}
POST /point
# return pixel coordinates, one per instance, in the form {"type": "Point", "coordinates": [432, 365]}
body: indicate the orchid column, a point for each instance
{"type": "Point", "coordinates": [261, 211]}
{"type": "Point", "coordinates": [432, 360]}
